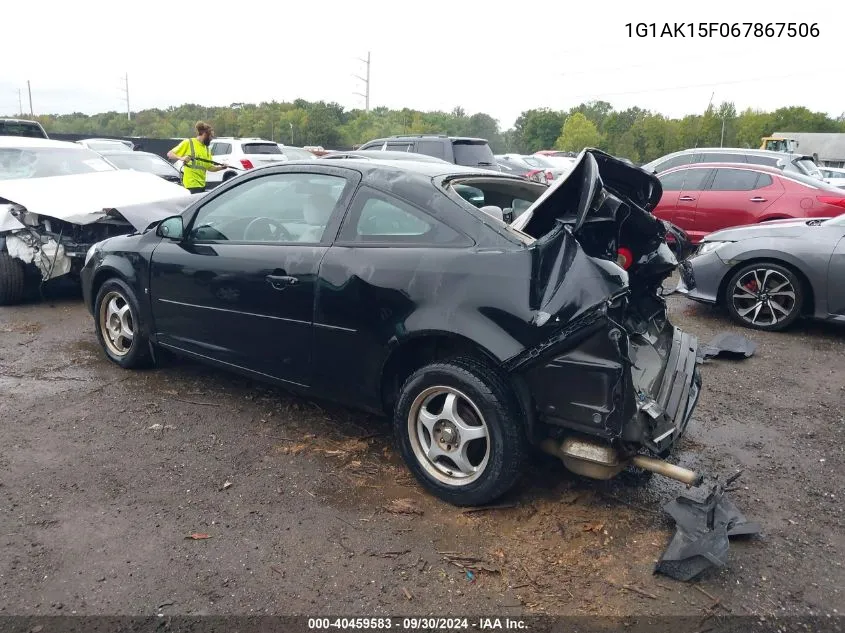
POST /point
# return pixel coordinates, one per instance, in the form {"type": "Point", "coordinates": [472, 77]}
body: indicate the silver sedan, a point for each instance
{"type": "Point", "coordinates": [768, 275]}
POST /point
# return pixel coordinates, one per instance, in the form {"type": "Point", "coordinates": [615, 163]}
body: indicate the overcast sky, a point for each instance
{"type": "Point", "coordinates": [426, 55]}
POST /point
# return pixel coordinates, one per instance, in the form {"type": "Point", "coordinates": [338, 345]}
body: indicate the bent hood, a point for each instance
{"type": "Point", "coordinates": [775, 228]}
{"type": "Point", "coordinates": [142, 198]}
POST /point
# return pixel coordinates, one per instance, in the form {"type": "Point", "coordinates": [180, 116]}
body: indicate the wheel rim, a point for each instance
{"type": "Point", "coordinates": [117, 323]}
{"type": "Point", "coordinates": [763, 297]}
{"type": "Point", "coordinates": [449, 436]}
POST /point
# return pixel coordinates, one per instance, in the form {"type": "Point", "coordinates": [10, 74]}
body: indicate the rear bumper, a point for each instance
{"type": "Point", "coordinates": [670, 411]}
{"type": "Point", "coordinates": [637, 389]}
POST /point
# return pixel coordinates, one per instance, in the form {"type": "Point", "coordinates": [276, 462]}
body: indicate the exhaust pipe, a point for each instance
{"type": "Point", "coordinates": [662, 467]}
{"type": "Point", "coordinates": [601, 461]}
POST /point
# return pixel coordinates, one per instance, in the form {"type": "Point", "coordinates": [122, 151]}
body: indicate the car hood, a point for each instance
{"type": "Point", "coordinates": [141, 198]}
{"type": "Point", "coordinates": [774, 228]}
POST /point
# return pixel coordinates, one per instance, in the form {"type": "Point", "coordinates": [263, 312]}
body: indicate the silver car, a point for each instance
{"type": "Point", "coordinates": [787, 162]}
{"type": "Point", "coordinates": [768, 275]}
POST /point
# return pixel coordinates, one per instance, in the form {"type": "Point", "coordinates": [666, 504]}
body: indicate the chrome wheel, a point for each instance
{"type": "Point", "coordinates": [116, 323]}
{"type": "Point", "coordinates": [449, 436]}
{"type": "Point", "coordinates": [764, 297]}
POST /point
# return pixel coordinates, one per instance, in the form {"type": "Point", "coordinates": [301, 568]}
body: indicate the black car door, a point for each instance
{"type": "Point", "coordinates": [239, 288]}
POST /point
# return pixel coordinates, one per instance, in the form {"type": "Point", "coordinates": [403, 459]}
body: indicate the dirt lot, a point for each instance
{"type": "Point", "coordinates": [104, 473]}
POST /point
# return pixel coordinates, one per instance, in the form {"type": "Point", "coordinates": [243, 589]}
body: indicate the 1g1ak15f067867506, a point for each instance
{"type": "Point", "coordinates": [722, 29]}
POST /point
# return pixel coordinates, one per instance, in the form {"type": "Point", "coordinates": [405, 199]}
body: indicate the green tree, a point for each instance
{"type": "Point", "coordinates": [577, 133]}
{"type": "Point", "coordinates": [537, 129]}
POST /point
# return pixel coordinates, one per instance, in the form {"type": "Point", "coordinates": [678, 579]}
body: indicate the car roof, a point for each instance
{"type": "Point", "coordinates": [425, 169]}
{"type": "Point", "coordinates": [6, 118]}
{"type": "Point", "coordinates": [427, 137]}
{"type": "Point", "coordinates": [117, 152]}
{"type": "Point", "coordinates": [722, 164]}
{"type": "Point", "coordinates": [375, 154]}
{"type": "Point", "coordinates": [27, 141]}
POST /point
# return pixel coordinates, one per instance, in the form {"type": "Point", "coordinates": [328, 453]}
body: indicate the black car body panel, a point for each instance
{"type": "Point", "coordinates": [587, 345]}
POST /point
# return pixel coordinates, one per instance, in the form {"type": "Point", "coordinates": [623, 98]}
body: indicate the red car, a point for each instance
{"type": "Point", "coordinates": [706, 197]}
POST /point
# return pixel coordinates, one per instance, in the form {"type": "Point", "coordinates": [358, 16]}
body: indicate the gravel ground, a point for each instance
{"type": "Point", "coordinates": [104, 473]}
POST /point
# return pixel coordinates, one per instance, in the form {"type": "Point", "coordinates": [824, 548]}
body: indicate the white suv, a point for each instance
{"type": "Point", "coordinates": [242, 154]}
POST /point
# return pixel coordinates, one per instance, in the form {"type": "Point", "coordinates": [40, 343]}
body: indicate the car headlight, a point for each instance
{"type": "Point", "coordinates": [707, 247]}
{"type": "Point", "coordinates": [91, 252]}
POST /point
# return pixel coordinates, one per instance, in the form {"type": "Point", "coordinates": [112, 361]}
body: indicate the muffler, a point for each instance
{"type": "Point", "coordinates": [596, 460]}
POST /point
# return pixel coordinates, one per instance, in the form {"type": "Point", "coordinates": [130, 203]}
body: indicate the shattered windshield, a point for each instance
{"type": "Point", "coordinates": [43, 162]}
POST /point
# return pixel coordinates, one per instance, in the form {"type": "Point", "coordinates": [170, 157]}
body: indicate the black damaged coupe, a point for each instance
{"type": "Point", "coordinates": [402, 288]}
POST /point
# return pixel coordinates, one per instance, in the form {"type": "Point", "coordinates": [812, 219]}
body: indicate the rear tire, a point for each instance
{"type": "Point", "coordinates": [764, 296]}
{"type": "Point", "coordinates": [118, 325]}
{"type": "Point", "coordinates": [488, 457]}
{"type": "Point", "coordinates": [12, 280]}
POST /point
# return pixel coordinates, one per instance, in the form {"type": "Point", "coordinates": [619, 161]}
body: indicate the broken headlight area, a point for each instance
{"type": "Point", "coordinates": [56, 247]}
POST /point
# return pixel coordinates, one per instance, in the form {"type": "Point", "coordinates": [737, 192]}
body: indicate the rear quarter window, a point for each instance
{"type": "Point", "coordinates": [261, 148]}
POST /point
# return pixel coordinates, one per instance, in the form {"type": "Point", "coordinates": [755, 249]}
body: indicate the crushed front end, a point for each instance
{"type": "Point", "coordinates": [612, 377]}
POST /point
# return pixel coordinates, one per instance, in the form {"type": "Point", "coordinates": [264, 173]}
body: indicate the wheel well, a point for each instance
{"type": "Point", "coordinates": [229, 174]}
{"type": "Point", "coordinates": [100, 278]}
{"type": "Point", "coordinates": [419, 351]}
{"type": "Point", "coordinates": [809, 298]}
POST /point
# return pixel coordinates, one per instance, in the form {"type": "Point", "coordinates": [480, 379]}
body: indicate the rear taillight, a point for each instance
{"type": "Point", "coordinates": [537, 175]}
{"type": "Point", "coordinates": [838, 201]}
{"type": "Point", "coordinates": [550, 175]}
{"type": "Point", "coordinates": [246, 163]}
{"type": "Point", "coordinates": [624, 258]}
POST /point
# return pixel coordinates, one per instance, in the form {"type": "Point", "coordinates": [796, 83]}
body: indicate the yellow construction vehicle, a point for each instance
{"type": "Point", "coordinates": [779, 144]}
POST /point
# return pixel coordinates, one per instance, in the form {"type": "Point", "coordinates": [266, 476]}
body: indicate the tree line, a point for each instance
{"type": "Point", "coordinates": [634, 133]}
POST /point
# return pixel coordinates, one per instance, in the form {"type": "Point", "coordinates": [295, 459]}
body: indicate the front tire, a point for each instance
{"type": "Point", "coordinates": [118, 325]}
{"type": "Point", "coordinates": [12, 280]}
{"type": "Point", "coordinates": [764, 296]}
{"type": "Point", "coordinates": [459, 429]}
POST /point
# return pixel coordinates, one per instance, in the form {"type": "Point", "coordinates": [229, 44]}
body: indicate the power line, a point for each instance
{"type": "Point", "coordinates": [366, 83]}
{"type": "Point", "coordinates": [702, 85]}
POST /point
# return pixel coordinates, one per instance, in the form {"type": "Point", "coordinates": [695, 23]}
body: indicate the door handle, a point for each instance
{"type": "Point", "coordinates": [280, 282]}
{"type": "Point", "coordinates": [757, 199]}
{"type": "Point", "coordinates": [686, 198]}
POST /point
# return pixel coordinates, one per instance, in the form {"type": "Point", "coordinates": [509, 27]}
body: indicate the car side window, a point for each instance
{"type": "Point", "coordinates": [683, 159]}
{"type": "Point", "coordinates": [431, 148]}
{"type": "Point", "coordinates": [400, 147]}
{"type": "Point", "coordinates": [722, 157]}
{"type": "Point", "coordinates": [279, 208]}
{"type": "Point", "coordinates": [219, 149]}
{"type": "Point", "coordinates": [734, 180]}
{"type": "Point", "coordinates": [684, 180]}
{"type": "Point", "coordinates": [763, 180]}
{"type": "Point", "coordinates": [377, 217]}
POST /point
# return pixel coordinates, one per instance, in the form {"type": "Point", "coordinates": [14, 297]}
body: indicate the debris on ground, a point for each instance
{"type": "Point", "coordinates": [728, 345]}
{"type": "Point", "coordinates": [197, 536]}
{"type": "Point", "coordinates": [226, 484]}
{"type": "Point", "coordinates": [466, 561]}
{"type": "Point", "coordinates": [470, 575]}
{"type": "Point", "coordinates": [705, 519]}
{"type": "Point", "coordinates": [407, 593]}
{"type": "Point", "coordinates": [404, 506]}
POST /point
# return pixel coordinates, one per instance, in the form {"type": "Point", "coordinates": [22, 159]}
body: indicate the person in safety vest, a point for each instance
{"type": "Point", "coordinates": [196, 158]}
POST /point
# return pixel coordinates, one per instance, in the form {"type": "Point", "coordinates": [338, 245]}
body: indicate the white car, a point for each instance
{"type": "Point", "coordinates": [241, 154]}
{"type": "Point", "coordinates": [107, 144]}
{"type": "Point", "coordinates": [58, 199]}
{"type": "Point", "coordinates": [834, 176]}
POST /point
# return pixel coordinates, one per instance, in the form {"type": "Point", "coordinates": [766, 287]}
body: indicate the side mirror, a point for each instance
{"type": "Point", "coordinates": [171, 228]}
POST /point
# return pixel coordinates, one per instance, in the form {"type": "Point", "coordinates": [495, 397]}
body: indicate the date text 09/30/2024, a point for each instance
{"type": "Point", "coordinates": [722, 29]}
{"type": "Point", "coordinates": [418, 624]}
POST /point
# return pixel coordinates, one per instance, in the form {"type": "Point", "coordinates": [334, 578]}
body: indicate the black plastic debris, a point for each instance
{"type": "Point", "coordinates": [728, 345]}
{"type": "Point", "coordinates": [705, 520]}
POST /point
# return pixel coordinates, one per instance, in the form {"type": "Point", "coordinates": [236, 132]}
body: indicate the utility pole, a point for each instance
{"type": "Point", "coordinates": [366, 81]}
{"type": "Point", "coordinates": [722, 142]}
{"type": "Point", "coordinates": [126, 98]}
{"type": "Point", "coordinates": [20, 103]}
{"type": "Point", "coordinates": [29, 90]}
